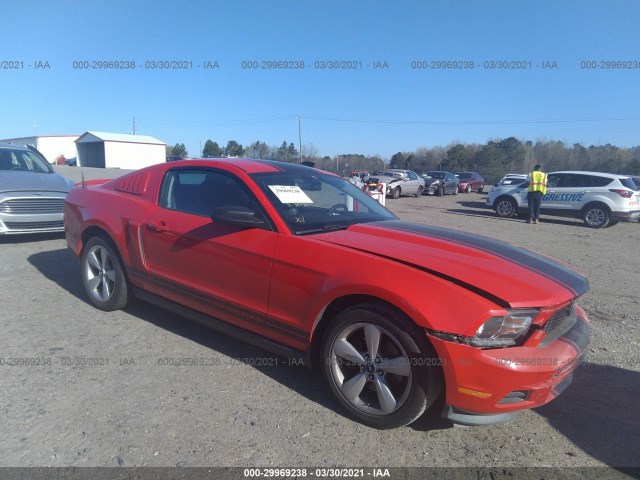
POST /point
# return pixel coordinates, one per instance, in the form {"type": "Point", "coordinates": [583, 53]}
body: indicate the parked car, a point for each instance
{"type": "Point", "coordinates": [600, 199]}
{"type": "Point", "coordinates": [62, 160]}
{"type": "Point", "coordinates": [305, 264]}
{"type": "Point", "coordinates": [470, 181]}
{"type": "Point", "coordinates": [31, 194]}
{"type": "Point", "coordinates": [401, 182]}
{"type": "Point", "coordinates": [441, 182]}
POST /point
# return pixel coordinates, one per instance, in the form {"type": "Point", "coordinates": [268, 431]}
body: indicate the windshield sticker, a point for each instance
{"type": "Point", "coordinates": [290, 194]}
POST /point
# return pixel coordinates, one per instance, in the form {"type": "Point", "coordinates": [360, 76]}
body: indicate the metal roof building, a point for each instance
{"type": "Point", "coordinates": [119, 150]}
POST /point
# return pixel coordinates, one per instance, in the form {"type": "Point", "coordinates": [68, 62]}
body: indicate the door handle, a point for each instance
{"type": "Point", "coordinates": [152, 227]}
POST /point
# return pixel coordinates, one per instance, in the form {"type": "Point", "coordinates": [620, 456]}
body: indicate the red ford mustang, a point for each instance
{"type": "Point", "coordinates": [306, 265]}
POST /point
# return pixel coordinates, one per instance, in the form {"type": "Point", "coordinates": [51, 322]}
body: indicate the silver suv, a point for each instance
{"type": "Point", "coordinates": [600, 199]}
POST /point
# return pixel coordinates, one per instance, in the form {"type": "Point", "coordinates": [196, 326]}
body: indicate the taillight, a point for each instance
{"type": "Point", "coordinates": [622, 193]}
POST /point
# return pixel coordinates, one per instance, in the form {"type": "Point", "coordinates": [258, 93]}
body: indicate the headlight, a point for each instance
{"type": "Point", "coordinates": [503, 331]}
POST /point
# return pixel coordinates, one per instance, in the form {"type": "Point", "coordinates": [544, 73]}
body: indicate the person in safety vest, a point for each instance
{"type": "Point", "coordinates": [537, 190]}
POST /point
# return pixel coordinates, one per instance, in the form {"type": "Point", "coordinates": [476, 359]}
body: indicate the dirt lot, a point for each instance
{"type": "Point", "coordinates": [103, 397]}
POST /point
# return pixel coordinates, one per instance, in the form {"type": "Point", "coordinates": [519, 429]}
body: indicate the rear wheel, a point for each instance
{"type": "Point", "coordinates": [505, 207]}
{"type": "Point", "coordinates": [419, 192]}
{"type": "Point", "coordinates": [596, 216]}
{"type": "Point", "coordinates": [103, 275]}
{"type": "Point", "coordinates": [481, 188]}
{"type": "Point", "coordinates": [382, 375]}
{"type": "Point", "coordinates": [456, 189]}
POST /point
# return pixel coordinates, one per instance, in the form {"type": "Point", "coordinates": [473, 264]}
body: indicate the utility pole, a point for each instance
{"type": "Point", "coordinates": [133, 132]}
{"type": "Point", "coordinates": [299, 138]}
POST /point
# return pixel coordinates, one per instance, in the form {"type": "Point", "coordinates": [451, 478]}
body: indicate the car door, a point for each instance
{"type": "Point", "coordinates": [450, 182]}
{"type": "Point", "coordinates": [412, 183]}
{"type": "Point", "coordinates": [219, 269]}
{"type": "Point", "coordinates": [565, 192]}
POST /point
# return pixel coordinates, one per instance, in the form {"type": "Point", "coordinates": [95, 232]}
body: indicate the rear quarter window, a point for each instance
{"type": "Point", "coordinates": [629, 183]}
{"type": "Point", "coordinates": [601, 181]}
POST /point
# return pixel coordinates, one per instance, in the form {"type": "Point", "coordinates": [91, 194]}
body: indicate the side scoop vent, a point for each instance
{"type": "Point", "coordinates": [135, 184]}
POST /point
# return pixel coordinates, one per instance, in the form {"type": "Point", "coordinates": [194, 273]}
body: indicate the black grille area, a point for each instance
{"type": "Point", "coordinates": [515, 397]}
{"type": "Point", "coordinates": [32, 206]}
{"type": "Point", "coordinates": [28, 226]}
{"type": "Point", "coordinates": [558, 324]}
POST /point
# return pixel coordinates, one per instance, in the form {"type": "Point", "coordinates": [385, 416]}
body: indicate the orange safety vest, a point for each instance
{"type": "Point", "coordinates": [538, 182]}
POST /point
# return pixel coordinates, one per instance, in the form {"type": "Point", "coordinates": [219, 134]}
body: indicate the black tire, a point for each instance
{"type": "Point", "coordinates": [505, 207]}
{"type": "Point", "coordinates": [456, 189]}
{"type": "Point", "coordinates": [419, 192]}
{"type": "Point", "coordinates": [481, 189]}
{"type": "Point", "coordinates": [103, 276]}
{"type": "Point", "coordinates": [395, 193]}
{"type": "Point", "coordinates": [468, 189]}
{"type": "Point", "coordinates": [441, 190]}
{"type": "Point", "coordinates": [366, 387]}
{"type": "Point", "coordinates": [596, 216]}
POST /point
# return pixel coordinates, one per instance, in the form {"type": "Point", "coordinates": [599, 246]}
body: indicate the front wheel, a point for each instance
{"type": "Point", "coordinates": [395, 193]}
{"type": "Point", "coordinates": [456, 189]}
{"type": "Point", "coordinates": [505, 207]}
{"type": "Point", "coordinates": [419, 192]}
{"type": "Point", "coordinates": [382, 375]}
{"type": "Point", "coordinates": [481, 188]}
{"type": "Point", "coordinates": [596, 216]}
{"type": "Point", "coordinates": [468, 189]}
{"type": "Point", "coordinates": [103, 275]}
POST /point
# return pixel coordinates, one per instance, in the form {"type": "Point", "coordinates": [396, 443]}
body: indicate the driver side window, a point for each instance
{"type": "Point", "coordinates": [200, 192]}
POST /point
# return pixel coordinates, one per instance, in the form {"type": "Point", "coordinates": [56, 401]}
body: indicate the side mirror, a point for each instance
{"type": "Point", "coordinates": [238, 216]}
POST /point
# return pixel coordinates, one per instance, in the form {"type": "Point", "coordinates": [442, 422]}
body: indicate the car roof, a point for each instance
{"type": "Point", "coordinates": [248, 165]}
{"type": "Point", "coordinates": [13, 145]}
{"type": "Point", "coordinates": [582, 172]}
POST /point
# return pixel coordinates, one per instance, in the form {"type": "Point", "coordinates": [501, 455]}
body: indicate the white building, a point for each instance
{"type": "Point", "coordinates": [51, 146]}
{"type": "Point", "coordinates": [119, 150]}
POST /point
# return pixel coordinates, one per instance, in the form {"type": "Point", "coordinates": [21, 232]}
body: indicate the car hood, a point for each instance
{"type": "Point", "coordinates": [387, 179]}
{"type": "Point", "coordinates": [507, 275]}
{"type": "Point", "coordinates": [16, 181]}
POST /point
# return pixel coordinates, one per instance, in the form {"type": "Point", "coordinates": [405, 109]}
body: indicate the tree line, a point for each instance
{"type": "Point", "coordinates": [286, 152]}
{"type": "Point", "coordinates": [492, 159]}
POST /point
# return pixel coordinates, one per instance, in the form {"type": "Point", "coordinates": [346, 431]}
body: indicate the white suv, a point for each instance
{"type": "Point", "coordinates": [600, 199]}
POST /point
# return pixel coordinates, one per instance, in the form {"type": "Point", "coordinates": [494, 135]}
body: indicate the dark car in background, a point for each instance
{"type": "Point", "coordinates": [441, 182]}
{"type": "Point", "coordinates": [470, 181]}
{"type": "Point", "coordinates": [32, 195]}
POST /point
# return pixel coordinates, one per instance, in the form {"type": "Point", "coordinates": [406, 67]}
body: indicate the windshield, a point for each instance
{"type": "Point", "coordinates": [314, 202]}
{"type": "Point", "coordinates": [512, 181]}
{"type": "Point", "coordinates": [436, 175]}
{"type": "Point", "coordinates": [23, 160]}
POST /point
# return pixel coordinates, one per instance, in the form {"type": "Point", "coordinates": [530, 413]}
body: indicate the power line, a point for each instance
{"type": "Point", "coordinates": [252, 121]}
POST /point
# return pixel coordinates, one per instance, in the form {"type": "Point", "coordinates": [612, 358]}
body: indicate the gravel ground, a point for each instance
{"type": "Point", "coordinates": [119, 405]}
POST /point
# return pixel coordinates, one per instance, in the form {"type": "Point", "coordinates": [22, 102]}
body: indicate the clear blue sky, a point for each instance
{"type": "Point", "coordinates": [369, 111]}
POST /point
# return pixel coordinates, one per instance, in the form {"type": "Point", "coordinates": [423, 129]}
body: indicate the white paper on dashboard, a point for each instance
{"type": "Point", "coordinates": [290, 194]}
